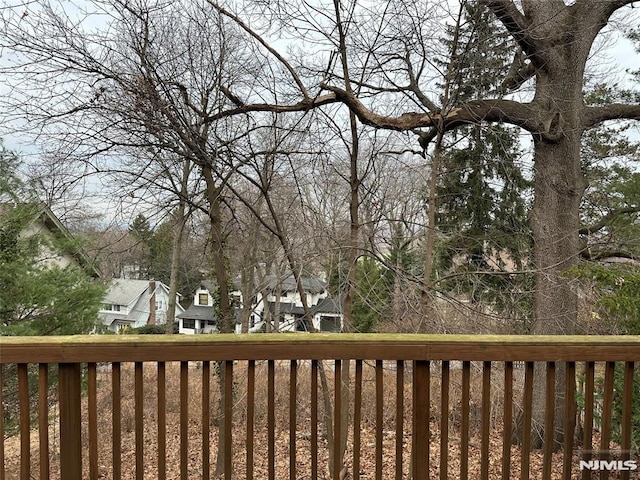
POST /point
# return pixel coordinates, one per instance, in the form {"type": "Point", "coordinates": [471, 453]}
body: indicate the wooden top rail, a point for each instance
{"type": "Point", "coordinates": [141, 348]}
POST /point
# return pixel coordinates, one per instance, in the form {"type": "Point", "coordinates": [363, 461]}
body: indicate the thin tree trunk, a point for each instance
{"type": "Point", "coordinates": [176, 248]}
{"type": "Point", "coordinates": [224, 310]}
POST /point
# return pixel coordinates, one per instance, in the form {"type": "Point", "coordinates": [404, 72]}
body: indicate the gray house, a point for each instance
{"type": "Point", "coordinates": [135, 303]}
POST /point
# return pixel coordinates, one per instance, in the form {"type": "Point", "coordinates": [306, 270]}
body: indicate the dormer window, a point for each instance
{"type": "Point", "coordinates": [203, 299]}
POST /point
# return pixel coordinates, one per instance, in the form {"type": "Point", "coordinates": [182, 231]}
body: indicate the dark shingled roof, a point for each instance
{"type": "Point", "coordinates": [198, 312]}
{"type": "Point", "coordinates": [288, 284]}
{"type": "Point", "coordinates": [328, 305]}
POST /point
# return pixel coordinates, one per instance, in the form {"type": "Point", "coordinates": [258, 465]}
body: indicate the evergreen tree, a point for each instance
{"type": "Point", "coordinates": [482, 204]}
{"type": "Point", "coordinates": [372, 301]}
{"type": "Point", "coordinates": [160, 255]}
{"type": "Point", "coordinates": [38, 297]}
{"type": "Point", "coordinates": [141, 230]}
{"type": "Point", "coordinates": [372, 294]}
{"type": "Point", "coordinates": [610, 216]}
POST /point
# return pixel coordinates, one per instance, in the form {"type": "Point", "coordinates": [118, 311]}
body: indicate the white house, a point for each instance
{"type": "Point", "coordinates": [57, 247]}
{"type": "Point", "coordinates": [135, 303]}
{"type": "Point", "coordinates": [276, 306]}
{"type": "Point", "coordinates": [199, 317]}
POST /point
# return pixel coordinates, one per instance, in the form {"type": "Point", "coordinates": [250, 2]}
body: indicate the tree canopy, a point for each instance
{"type": "Point", "coordinates": [37, 295]}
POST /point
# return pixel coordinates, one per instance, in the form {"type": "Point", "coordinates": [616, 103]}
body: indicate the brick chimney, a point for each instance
{"type": "Point", "coordinates": [152, 303]}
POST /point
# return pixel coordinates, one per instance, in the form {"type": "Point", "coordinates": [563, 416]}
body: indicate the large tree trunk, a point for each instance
{"type": "Point", "coordinates": [559, 185]}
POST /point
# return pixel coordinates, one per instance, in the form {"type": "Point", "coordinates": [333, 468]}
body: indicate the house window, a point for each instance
{"type": "Point", "coordinates": [191, 324]}
{"type": "Point", "coordinates": [235, 301]}
{"type": "Point", "coordinates": [203, 299]}
{"type": "Point", "coordinates": [329, 324]}
{"type": "Point", "coordinates": [159, 305]}
{"type": "Point", "coordinates": [111, 307]}
{"type": "Point", "coordinates": [302, 326]}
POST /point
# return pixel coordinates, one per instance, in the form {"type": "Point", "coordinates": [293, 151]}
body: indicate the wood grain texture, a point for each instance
{"type": "Point", "coordinates": [142, 348]}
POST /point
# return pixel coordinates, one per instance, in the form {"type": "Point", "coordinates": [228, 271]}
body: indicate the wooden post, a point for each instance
{"type": "Point", "coordinates": [70, 421]}
{"type": "Point", "coordinates": [421, 400]}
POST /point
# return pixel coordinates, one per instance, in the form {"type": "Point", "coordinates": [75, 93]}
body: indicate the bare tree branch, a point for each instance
{"type": "Point", "coordinates": [473, 112]}
{"type": "Point", "coordinates": [273, 51]}
{"type": "Point", "coordinates": [302, 106]}
{"type": "Point", "coordinates": [606, 220]}
{"type": "Point", "coordinates": [514, 21]}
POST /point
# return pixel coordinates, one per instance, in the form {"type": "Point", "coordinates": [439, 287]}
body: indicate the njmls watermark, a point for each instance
{"type": "Point", "coordinates": [608, 460]}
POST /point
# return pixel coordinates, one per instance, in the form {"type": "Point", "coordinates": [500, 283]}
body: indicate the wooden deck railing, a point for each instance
{"type": "Point", "coordinates": [419, 406]}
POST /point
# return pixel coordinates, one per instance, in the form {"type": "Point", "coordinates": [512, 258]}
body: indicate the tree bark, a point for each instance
{"type": "Point", "coordinates": [176, 248]}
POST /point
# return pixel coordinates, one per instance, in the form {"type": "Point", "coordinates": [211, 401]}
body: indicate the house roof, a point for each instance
{"type": "Point", "coordinates": [327, 305]}
{"type": "Point", "coordinates": [286, 308]}
{"type": "Point", "coordinates": [44, 214]}
{"type": "Point", "coordinates": [288, 284]}
{"type": "Point", "coordinates": [53, 223]}
{"type": "Point", "coordinates": [125, 291]}
{"type": "Point", "coordinates": [198, 312]}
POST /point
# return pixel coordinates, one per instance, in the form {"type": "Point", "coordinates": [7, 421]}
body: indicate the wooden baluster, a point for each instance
{"type": "Point", "coordinates": [205, 419]}
{"type": "Point", "coordinates": [337, 418]}
{"type": "Point", "coordinates": [507, 420]}
{"type": "Point", "coordinates": [357, 419]}
{"type": "Point", "coordinates": [399, 417]}
{"type": "Point", "coordinates": [526, 422]}
{"type": "Point", "coordinates": [184, 420]}
{"type": "Point", "coordinates": [589, 385]}
{"type": "Point", "coordinates": [43, 419]}
{"type": "Point", "coordinates": [569, 419]}
{"type": "Point", "coordinates": [627, 401]}
{"type": "Point", "coordinates": [228, 418]}
{"type": "Point", "coordinates": [70, 392]}
{"type": "Point", "coordinates": [139, 419]}
{"type": "Point", "coordinates": [25, 422]}
{"type": "Point", "coordinates": [607, 410]}
{"type": "Point", "coordinates": [379, 417]}
{"type": "Point", "coordinates": [116, 439]}
{"type": "Point", "coordinates": [92, 404]}
{"type": "Point", "coordinates": [464, 421]}
{"type": "Point", "coordinates": [2, 456]}
{"type": "Point", "coordinates": [293, 405]}
{"type": "Point", "coordinates": [421, 407]}
{"type": "Point", "coordinates": [162, 420]}
{"type": "Point", "coordinates": [486, 419]}
{"type": "Point", "coordinates": [444, 419]}
{"type": "Point", "coordinates": [251, 399]}
{"type": "Point", "coordinates": [550, 406]}
{"type": "Point", "coordinates": [271, 419]}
